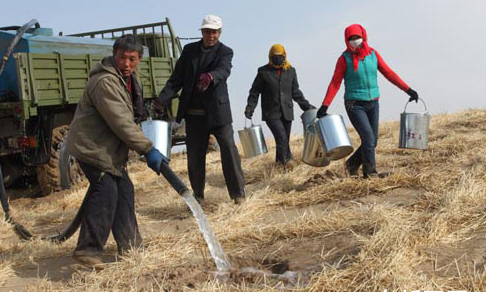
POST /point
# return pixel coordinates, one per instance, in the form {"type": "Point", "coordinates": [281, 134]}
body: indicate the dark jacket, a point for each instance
{"type": "Point", "coordinates": [216, 99]}
{"type": "Point", "coordinates": [277, 93]}
{"type": "Point", "coordinates": [103, 128]}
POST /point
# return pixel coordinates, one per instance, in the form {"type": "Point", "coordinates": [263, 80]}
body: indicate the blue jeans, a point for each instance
{"type": "Point", "coordinates": [364, 115]}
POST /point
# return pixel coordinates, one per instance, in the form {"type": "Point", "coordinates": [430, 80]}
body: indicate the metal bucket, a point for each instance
{"type": "Point", "coordinates": [160, 133]}
{"type": "Point", "coordinates": [308, 118]}
{"type": "Point", "coordinates": [333, 136]}
{"type": "Point", "coordinates": [252, 141]}
{"type": "Point", "coordinates": [414, 129]}
{"type": "Point", "coordinates": [313, 153]}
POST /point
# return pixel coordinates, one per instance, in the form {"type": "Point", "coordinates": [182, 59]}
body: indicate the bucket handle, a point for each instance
{"type": "Point", "coordinates": [251, 121]}
{"type": "Point", "coordinates": [312, 126]}
{"type": "Point", "coordinates": [423, 102]}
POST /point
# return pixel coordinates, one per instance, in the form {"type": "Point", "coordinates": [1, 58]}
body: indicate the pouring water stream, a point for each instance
{"type": "Point", "coordinates": [212, 241]}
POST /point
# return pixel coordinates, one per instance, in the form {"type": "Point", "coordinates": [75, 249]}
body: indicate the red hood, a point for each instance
{"type": "Point", "coordinates": [355, 29]}
{"type": "Point", "coordinates": [361, 52]}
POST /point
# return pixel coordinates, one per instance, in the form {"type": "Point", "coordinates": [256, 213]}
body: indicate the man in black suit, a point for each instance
{"type": "Point", "coordinates": [201, 72]}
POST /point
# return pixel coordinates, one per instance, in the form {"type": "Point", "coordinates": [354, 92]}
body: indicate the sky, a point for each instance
{"type": "Point", "coordinates": [435, 46]}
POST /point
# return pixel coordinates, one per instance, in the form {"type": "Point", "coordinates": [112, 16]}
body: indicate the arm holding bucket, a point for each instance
{"type": "Point", "coordinates": [336, 81]}
{"type": "Point", "coordinates": [255, 91]}
{"type": "Point", "coordinates": [174, 84]}
{"type": "Point", "coordinates": [333, 87]}
{"type": "Point", "coordinates": [395, 79]}
{"type": "Point", "coordinates": [298, 96]}
{"type": "Point", "coordinates": [114, 111]}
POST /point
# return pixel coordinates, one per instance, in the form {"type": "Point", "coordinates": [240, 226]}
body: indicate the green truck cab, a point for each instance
{"type": "Point", "coordinates": [42, 82]}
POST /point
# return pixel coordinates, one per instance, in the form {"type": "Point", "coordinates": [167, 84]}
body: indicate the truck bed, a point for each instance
{"type": "Point", "coordinates": [57, 79]}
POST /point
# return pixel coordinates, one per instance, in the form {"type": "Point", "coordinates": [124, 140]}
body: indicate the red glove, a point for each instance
{"type": "Point", "coordinates": [204, 81]}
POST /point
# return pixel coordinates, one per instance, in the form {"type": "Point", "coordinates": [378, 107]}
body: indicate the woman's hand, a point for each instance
{"type": "Point", "coordinates": [413, 95]}
{"type": "Point", "coordinates": [322, 112]}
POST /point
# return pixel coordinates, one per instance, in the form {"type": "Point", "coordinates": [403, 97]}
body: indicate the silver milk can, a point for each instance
{"type": "Point", "coordinates": [333, 136]}
{"type": "Point", "coordinates": [414, 129]}
{"type": "Point", "coordinates": [160, 133]}
{"type": "Point", "coordinates": [313, 154]}
{"type": "Point", "coordinates": [308, 118]}
{"type": "Point", "coordinates": [252, 140]}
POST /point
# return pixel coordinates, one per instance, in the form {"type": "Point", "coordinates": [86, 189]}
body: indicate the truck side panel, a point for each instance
{"type": "Point", "coordinates": [57, 79]}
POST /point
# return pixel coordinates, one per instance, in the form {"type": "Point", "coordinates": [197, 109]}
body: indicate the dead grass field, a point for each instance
{"type": "Point", "coordinates": [422, 228]}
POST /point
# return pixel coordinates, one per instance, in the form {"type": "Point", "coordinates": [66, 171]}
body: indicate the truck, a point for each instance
{"type": "Point", "coordinates": [42, 78]}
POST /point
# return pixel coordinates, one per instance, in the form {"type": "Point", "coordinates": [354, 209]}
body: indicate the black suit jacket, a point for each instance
{"type": "Point", "coordinates": [216, 100]}
{"type": "Point", "coordinates": [278, 93]}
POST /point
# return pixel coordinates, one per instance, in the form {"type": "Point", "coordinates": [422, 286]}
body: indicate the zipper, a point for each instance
{"type": "Point", "coordinates": [367, 79]}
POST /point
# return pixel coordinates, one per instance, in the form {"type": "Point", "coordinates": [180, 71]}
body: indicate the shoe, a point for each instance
{"type": "Point", "coordinates": [376, 175]}
{"type": "Point", "coordinates": [92, 262]}
{"type": "Point", "coordinates": [352, 170]}
{"type": "Point", "coordinates": [199, 200]}
{"type": "Point", "coordinates": [290, 165]}
{"type": "Point", "coordinates": [239, 200]}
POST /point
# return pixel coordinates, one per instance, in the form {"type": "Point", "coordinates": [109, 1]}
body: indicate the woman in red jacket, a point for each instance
{"type": "Point", "coordinates": [358, 66]}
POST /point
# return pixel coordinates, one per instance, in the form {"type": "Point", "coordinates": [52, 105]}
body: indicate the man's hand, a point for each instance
{"type": "Point", "coordinates": [413, 95]}
{"type": "Point", "coordinates": [248, 114]}
{"type": "Point", "coordinates": [155, 159]}
{"type": "Point", "coordinates": [310, 107]}
{"type": "Point", "coordinates": [204, 81]}
{"type": "Point", "coordinates": [322, 112]}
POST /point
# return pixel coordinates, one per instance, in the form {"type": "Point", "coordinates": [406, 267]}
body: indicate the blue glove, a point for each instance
{"type": "Point", "coordinates": [155, 159]}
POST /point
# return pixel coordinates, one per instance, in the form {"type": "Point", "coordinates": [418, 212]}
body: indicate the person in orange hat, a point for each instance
{"type": "Point", "coordinates": [277, 83]}
{"type": "Point", "coordinates": [358, 66]}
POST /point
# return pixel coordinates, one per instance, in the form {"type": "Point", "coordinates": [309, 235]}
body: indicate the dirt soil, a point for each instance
{"type": "Point", "coordinates": [303, 229]}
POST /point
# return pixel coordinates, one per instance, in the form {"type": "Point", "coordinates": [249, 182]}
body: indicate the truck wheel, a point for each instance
{"type": "Point", "coordinates": [69, 170]}
{"type": "Point", "coordinates": [62, 171]}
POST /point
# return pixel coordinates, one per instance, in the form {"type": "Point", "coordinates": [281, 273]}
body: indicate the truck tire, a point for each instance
{"type": "Point", "coordinates": [62, 171]}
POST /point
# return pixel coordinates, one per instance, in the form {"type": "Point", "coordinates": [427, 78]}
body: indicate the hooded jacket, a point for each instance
{"type": "Point", "coordinates": [278, 87]}
{"type": "Point", "coordinates": [103, 128]}
{"type": "Point", "coordinates": [352, 66]}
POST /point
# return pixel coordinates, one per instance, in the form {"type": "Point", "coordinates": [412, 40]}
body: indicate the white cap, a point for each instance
{"type": "Point", "coordinates": [211, 22]}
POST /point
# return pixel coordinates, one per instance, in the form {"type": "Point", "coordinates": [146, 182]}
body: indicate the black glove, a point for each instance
{"type": "Point", "coordinates": [310, 107]}
{"type": "Point", "coordinates": [322, 112]}
{"type": "Point", "coordinates": [413, 95]}
{"type": "Point", "coordinates": [155, 159]}
{"type": "Point", "coordinates": [248, 114]}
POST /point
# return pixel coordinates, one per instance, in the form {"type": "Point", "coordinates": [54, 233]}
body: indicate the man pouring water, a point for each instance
{"type": "Point", "coordinates": [100, 135]}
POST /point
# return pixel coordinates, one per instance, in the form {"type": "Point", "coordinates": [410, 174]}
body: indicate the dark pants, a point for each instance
{"type": "Point", "coordinates": [364, 115]}
{"type": "Point", "coordinates": [281, 132]}
{"type": "Point", "coordinates": [197, 138]}
{"type": "Point", "coordinates": [109, 206]}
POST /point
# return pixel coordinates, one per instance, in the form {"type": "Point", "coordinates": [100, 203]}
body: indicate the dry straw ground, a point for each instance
{"type": "Point", "coordinates": [422, 228]}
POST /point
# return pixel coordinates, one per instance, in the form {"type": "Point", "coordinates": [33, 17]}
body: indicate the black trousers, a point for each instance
{"type": "Point", "coordinates": [281, 132]}
{"type": "Point", "coordinates": [197, 137]}
{"type": "Point", "coordinates": [109, 206]}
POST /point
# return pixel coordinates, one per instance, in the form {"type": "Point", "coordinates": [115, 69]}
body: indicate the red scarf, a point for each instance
{"type": "Point", "coordinates": [361, 52]}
